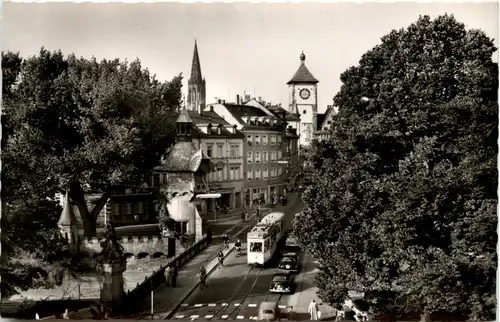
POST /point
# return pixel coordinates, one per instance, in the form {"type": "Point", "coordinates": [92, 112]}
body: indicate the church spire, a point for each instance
{"type": "Point", "coordinates": [196, 84]}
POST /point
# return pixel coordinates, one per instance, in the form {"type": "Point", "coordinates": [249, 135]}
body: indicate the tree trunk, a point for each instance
{"type": "Point", "coordinates": [425, 317]}
{"type": "Point", "coordinates": [89, 218]}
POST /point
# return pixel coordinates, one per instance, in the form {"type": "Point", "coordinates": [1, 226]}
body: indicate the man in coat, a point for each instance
{"type": "Point", "coordinates": [168, 275]}
{"type": "Point", "coordinates": [313, 310]}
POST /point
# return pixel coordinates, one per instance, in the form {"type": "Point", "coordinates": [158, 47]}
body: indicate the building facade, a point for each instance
{"type": "Point", "coordinates": [303, 102]}
{"type": "Point", "coordinates": [264, 148]}
{"type": "Point", "coordinates": [324, 124]}
{"type": "Point", "coordinates": [196, 98]}
{"type": "Point", "coordinates": [223, 144]}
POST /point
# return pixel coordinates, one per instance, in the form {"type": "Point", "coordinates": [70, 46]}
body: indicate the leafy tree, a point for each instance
{"type": "Point", "coordinates": [85, 125]}
{"type": "Point", "coordinates": [402, 204]}
{"type": "Point", "coordinates": [77, 124]}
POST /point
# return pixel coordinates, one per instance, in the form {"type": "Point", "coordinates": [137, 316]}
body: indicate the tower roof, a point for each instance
{"type": "Point", "coordinates": [196, 67]}
{"type": "Point", "coordinates": [303, 75]}
{"type": "Point", "coordinates": [184, 116]}
{"type": "Point", "coordinates": [68, 217]}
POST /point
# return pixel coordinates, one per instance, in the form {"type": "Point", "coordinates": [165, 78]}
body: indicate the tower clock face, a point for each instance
{"type": "Point", "coordinates": [304, 93]}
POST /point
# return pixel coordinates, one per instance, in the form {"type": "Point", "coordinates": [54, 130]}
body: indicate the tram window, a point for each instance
{"type": "Point", "coordinates": [267, 245]}
{"type": "Point", "coordinates": [256, 247]}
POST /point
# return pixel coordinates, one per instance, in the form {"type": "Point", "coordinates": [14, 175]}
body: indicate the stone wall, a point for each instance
{"type": "Point", "coordinates": [133, 245]}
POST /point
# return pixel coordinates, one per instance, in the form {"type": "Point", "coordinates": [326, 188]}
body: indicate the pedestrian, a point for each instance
{"type": "Point", "coordinates": [220, 256]}
{"type": "Point", "coordinates": [168, 275]}
{"type": "Point", "coordinates": [175, 272]}
{"type": "Point", "coordinates": [203, 275]}
{"type": "Point", "coordinates": [37, 317]}
{"type": "Point", "coordinates": [313, 310]}
{"type": "Point", "coordinates": [243, 216]}
{"type": "Point", "coordinates": [66, 315]}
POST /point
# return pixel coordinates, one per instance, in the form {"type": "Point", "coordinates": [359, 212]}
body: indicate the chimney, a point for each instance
{"type": "Point", "coordinates": [260, 99]}
{"type": "Point", "coordinates": [219, 101]}
{"type": "Point", "coordinates": [211, 108]}
{"type": "Point", "coordinates": [238, 99]}
{"type": "Point", "coordinates": [223, 101]}
{"type": "Point", "coordinates": [247, 97]}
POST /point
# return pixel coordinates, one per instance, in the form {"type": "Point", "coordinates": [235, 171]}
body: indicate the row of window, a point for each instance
{"type": "Point", "coordinates": [256, 156]}
{"type": "Point", "coordinates": [127, 209]}
{"type": "Point", "coordinates": [218, 150]}
{"type": "Point", "coordinates": [258, 140]}
{"type": "Point", "coordinates": [266, 173]}
{"type": "Point", "coordinates": [219, 174]}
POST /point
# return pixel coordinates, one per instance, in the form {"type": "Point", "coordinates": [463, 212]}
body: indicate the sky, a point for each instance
{"type": "Point", "coordinates": [243, 47]}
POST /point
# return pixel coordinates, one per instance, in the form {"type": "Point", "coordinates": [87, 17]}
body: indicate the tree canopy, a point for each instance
{"type": "Point", "coordinates": [83, 124]}
{"type": "Point", "coordinates": [403, 201]}
{"type": "Point", "coordinates": [78, 124]}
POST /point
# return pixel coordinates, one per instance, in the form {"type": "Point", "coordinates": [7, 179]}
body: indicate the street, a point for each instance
{"type": "Point", "coordinates": [235, 291]}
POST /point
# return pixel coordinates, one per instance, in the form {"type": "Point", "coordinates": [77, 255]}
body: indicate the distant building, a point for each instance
{"type": "Point", "coordinates": [196, 99]}
{"type": "Point", "coordinates": [303, 102]}
{"type": "Point", "coordinates": [223, 144]}
{"type": "Point", "coordinates": [265, 147]}
{"type": "Point", "coordinates": [324, 124]}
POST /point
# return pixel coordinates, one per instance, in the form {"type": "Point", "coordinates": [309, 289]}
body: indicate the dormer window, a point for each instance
{"type": "Point", "coordinates": [219, 129]}
{"type": "Point", "coordinates": [209, 129]}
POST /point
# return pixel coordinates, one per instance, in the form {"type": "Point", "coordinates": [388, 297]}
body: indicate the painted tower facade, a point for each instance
{"type": "Point", "coordinates": [303, 101]}
{"type": "Point", "coordinates": [196, 99]}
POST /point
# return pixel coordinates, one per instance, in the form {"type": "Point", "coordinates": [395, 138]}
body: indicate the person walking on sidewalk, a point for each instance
{"type": "Point", "coordinates": [313, 310]}
{"type": "Point", "coordinates": [243, 216]}
{"type": "Point", "coordinates": [175, 272]}
{"type": "Point", "coordinates": [220, 256]}
{"type": "Point", "coordinates": [168, 275]}
{"type": "Point", "coordinates": [203, 275]}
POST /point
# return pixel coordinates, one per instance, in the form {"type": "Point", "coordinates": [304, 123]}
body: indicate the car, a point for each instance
{"type": "Point", "coordinates": [292, 255]}
{"type": "Point", "coordinates": [290, 263]}
{"type": "Point", "coordinates": [291, 241]}
{"type": "Point", "coordinates": [283, 282]}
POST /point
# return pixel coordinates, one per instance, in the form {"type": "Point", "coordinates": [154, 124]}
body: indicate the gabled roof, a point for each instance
{"type": "Point", "coordinates": [324, 117]}
{"type": "Point", "coordinates": [239, 111]}
{"type": "Point", "coordinates": [277, 110]}
{"type": "Point", "coordinates": [184, 117]}
{"type": "Point", "coordinates": [303, 76]}
{"type": "Point", "coordinates": [209, 117]}
{"type": "Point", "coordinates": [184, 157]}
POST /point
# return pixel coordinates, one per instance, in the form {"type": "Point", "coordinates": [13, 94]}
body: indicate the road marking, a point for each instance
{"type": "Point", "coordinates": [236, 304]}
{"type": "Point", "coordinates": [198, 305]}
{"type": "Point", "coordinates": [193, 317]}
{"type": "Point", "coordinates": [282, 306]}
{"type": "Point", "coordinates": [255, 318]}
{"type": "Point", "coordinates": [224, 317]}
{"type": "Point", "coordinates": [209, 316]}
{"type": "Point", "coordinates": [252, 305]}
{"type": "Point", "coordinates": [179, 316]}
{"type": "Point", "coordinates": [224, 304]}
{"type": "Point", "coordinates": [240, 317]}
{"type": "Point", "coordinates": [184, 304]}
{"type": "Point", "coordinates": [212, 304]}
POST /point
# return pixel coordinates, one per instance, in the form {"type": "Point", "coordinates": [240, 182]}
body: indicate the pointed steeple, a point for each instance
{"type": "Point", "coordinates": [68, 217]}
{"type": "Point", "coordinates": [196, 84]}
{"type": "Point", "coordinates": [303, 75]}
{"type": "Point", "coordinates": [195, 66]}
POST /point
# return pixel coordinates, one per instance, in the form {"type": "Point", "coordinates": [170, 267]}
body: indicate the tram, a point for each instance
{"type": "Point", "coordinates": [263, 239]}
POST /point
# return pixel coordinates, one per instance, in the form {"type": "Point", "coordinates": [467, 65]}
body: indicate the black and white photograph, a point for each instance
{"type": "Point", "coordinates": [232, 161]}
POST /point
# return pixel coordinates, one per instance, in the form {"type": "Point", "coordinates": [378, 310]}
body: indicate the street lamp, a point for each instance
{"type": "Point", "coordinates": [210, 196]}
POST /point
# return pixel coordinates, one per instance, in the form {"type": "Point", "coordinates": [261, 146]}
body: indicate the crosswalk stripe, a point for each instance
{"type": "Point", "coordinates": [212, 304]}
{"type": "Point", "coordinates": [252, 305]}
{"type": "Point", "coordinates": [240, 317]}
{"type": "Point", "coordinates": [236, 304]}
{"type": "Point", "coordinates": [198, 305]}
{"type": "Point", "coordinates": [179, 316]}
{"type": "Point", "coordinates": [184, 304]}
{"type": "Point", "coordinates": [224, 304]}
{"type": "Point", "coordinates": [209, 316]}
{"type": "Point", "coordinates": [254, 317]}
{"type": "Point", "coordinates": [224, 316]}
{"type": "Point", "coordinates": [282, 306]}
{"type": "Point", "coordinates": [194, 316]}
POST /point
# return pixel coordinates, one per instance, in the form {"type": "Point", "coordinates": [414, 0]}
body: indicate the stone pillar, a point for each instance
{"type": "Point", "coordinates": [112, 284]}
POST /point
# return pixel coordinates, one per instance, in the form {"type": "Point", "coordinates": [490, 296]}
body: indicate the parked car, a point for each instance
{"type": "Point", "coordinates": [291, 241]}
{"type": "Point", "coordinates": [283, 282]}
{"type": "Point", "coordinates": [290, 262]}
{"type": "Point", "coordinates": [268, 311]}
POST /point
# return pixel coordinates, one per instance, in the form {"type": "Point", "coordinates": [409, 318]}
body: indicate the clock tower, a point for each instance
{"type": "Point", "coordinates": [303, 98]}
